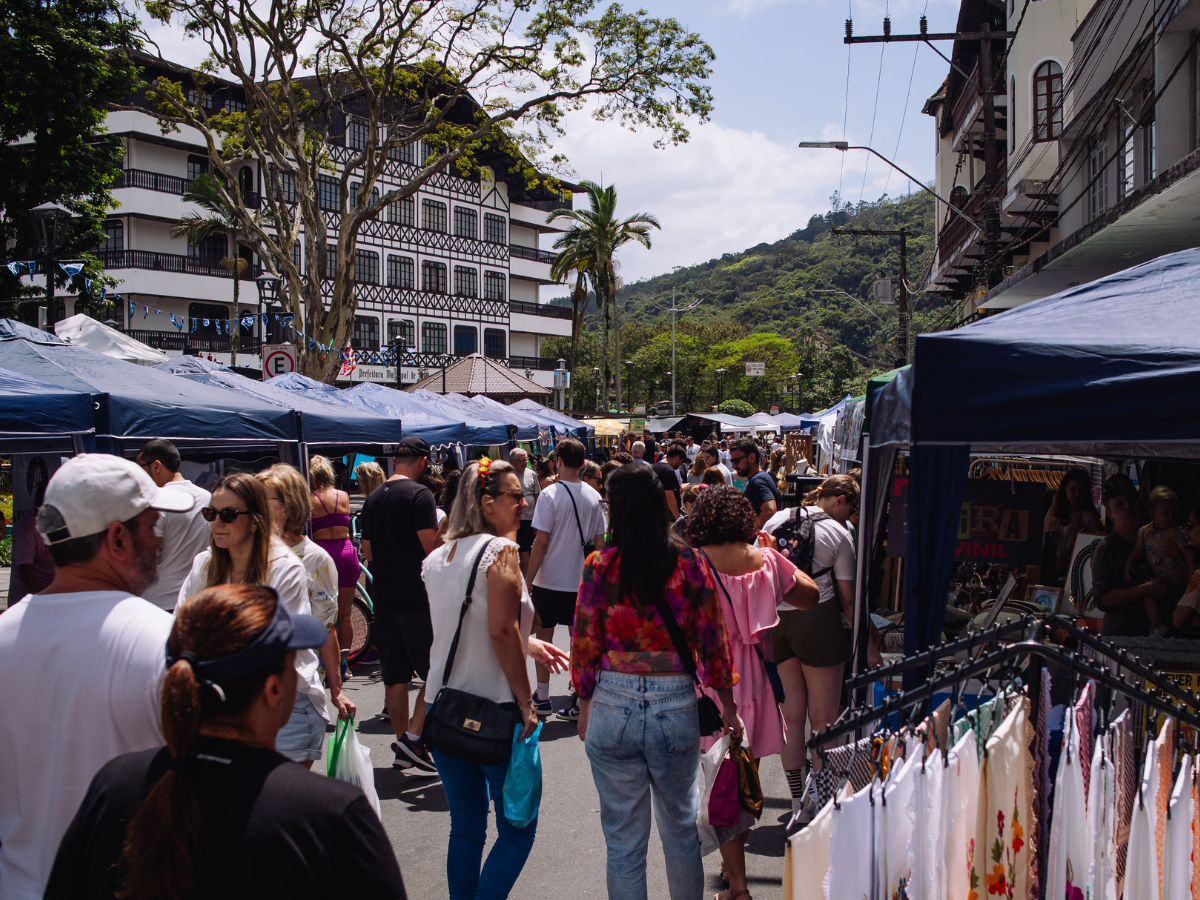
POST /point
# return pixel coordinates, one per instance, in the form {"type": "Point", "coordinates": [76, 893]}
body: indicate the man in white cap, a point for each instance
{"type": "Point", "coordinates": [82, 661]}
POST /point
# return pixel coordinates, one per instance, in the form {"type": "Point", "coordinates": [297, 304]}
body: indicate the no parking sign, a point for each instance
{"type": "Point", "coordinates": [278, 359]}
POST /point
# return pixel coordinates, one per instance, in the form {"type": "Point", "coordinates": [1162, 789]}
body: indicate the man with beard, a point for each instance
{"type": "Point", "coordinates": [82, 661]}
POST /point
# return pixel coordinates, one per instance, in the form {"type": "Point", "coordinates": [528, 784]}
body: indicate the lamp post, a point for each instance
{"type": "Point", "coordinates": [720, 385]}
{"type": "Point", "coordinates": [50, 221]}
{"type": "Point", "coordinates": [675, 310]}
{"type": "Point", "coordinates": [268, 292]}
{"type": "Point", "coordinates": [794, 390]}
{"type": "Point", "coordinates": [596, 378]}
{"type": "Point", "coordinates": [629, 384]}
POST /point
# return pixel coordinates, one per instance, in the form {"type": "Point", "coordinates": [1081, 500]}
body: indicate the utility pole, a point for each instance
{"type": "Point", "coordinates": [902, 297]}
{"type": "Point", "coordinates": [674, 311]}
{"type": "Point", "coordinates": [991, 164]}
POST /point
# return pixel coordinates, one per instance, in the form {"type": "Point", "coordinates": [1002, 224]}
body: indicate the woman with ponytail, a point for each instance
{"type": "Point", "coordinates": [217, 812]}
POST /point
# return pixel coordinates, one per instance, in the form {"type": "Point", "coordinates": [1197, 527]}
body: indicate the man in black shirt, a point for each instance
{"type": "Point", "coordinates": [761, 489]}
{"type": "Point", "coordinates": [399, 527]}
{"type": "Point", "coordinates": [1122, 603]}
{"type": "Point", "coordinates": [669, 478]}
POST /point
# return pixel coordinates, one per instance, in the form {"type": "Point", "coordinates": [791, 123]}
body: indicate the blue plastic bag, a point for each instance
{"type": "Point", "coordinates": [523, 780]}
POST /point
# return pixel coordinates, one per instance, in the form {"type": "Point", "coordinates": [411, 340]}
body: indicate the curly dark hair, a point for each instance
{"type": "Point", "coordinates": [721, 514]}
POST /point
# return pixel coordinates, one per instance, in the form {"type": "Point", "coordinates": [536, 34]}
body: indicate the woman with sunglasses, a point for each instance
{"type": "Point", "coordinates": [490, 662]}
{"type": "Point", "coordinates": [218, 812]}
{"type": "Point", "coordinates": [811, 648]}
{"type": "Point", "coordinates": [244, 551]}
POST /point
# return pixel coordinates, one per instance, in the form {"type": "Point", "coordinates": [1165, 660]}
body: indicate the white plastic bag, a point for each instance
{"type": "Point", "coordinates": [350, 761]}
{"type": "Point", "coordinates": [712, 836]}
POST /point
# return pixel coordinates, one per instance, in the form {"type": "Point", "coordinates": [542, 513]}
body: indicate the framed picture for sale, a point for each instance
{"type": "Point", "coordinates": [1044, 596]}
{"type": "Point", "coordinates": [1080, 599]}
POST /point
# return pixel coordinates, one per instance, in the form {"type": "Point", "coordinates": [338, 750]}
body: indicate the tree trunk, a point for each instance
{"type": "Point", "coordinates": [606, 312]}
{"type": "Point", "coordinates": [617, 364]}
{"type": "Point", "coordinates": [233, 320]}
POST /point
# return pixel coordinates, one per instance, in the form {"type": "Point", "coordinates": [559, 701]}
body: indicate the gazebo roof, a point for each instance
{"type": "Point", "coordinates": [476, 374]}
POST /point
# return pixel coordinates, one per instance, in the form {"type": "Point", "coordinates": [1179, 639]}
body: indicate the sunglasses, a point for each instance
{"type": "Point", "coordinates": [228, 515]}
{"type": "Point", "coordinates": [516, 495]}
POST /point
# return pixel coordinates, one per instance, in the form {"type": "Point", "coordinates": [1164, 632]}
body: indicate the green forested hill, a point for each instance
{"type": "Point", "coordinates": [762, 305]}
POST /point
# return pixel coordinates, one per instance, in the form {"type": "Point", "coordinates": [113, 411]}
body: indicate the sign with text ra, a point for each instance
{"type": "Point", "coordinates": [999, 521]}
{"type": "Point", "coordinates": [278, 359]}
{"type": "Point", "coordinates": [756, 370]}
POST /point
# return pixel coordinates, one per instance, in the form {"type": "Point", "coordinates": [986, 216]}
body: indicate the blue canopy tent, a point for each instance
{"type": "Point", "coordinates": [465, 407]}
{"type": "Point", "coordinates": [191, 365]}
{"type": "Point", "coordinates": [518, 417]}
{"type": "Point", "coordinates": [792, 422]}
{"type": "Point", "coordinates": [433, 422]}
{"type": "Point", "coordinates": [1108, 369]}
{"type": "Point", "coordinates": [38, 415]}
{"type": "Point", "coordinates": [137, 403]}
{"type": "Point", "coordinates": [574, 427]}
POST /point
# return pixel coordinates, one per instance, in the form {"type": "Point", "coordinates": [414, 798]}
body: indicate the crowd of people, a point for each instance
{"type": "Point", "coordinates": [191, 643]}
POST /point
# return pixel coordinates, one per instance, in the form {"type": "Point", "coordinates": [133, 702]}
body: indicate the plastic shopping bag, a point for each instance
{"type": "Point", "coordinates": [713, 836]}
{"type": "Point", "coordinates": [523, 780]}
{"type": "Point", "coordinates": [350, 761]}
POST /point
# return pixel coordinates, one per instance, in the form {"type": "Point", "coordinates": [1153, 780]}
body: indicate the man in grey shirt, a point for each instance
{"type": "Point", "coordinates": [182, 536]}
{"type": "Point", "coordinates": [531, 488]}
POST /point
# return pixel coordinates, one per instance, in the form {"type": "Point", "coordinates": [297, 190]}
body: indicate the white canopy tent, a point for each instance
{"type": "Point", "coordinates": [84, 331]}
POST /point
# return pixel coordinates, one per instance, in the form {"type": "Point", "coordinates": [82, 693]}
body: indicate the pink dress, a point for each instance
{"type": "Point", "coordinates": [750, 614]}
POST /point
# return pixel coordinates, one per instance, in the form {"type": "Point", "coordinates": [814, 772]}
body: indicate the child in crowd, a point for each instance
{"type": "Point", "coordinates": [1164, 548]}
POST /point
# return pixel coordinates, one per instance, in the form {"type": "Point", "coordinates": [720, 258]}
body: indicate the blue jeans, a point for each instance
{"type": "Point", "coordinates": [468, 789]}
{"type": "Point", "coordinates": [643, 738]}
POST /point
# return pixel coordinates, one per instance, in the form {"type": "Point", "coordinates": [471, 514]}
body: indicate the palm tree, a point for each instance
{"type": "Point", "coordinates": [572, 261]}
{"type": "Point", "coordinates": [593, 239]}
{"type": "Point", "coordinates": [221, 219]}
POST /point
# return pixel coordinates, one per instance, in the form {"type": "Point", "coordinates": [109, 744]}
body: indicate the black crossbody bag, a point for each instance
{"type": "Point", "coordinates": [588, 546]}
{"type": "Point", "coordinates": [706, 707]}
{"type": "Point", "coordinates": [465, 725]}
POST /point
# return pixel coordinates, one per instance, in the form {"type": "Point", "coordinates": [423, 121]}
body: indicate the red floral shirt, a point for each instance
{"type": "Point", "coordinates": [612, 632]}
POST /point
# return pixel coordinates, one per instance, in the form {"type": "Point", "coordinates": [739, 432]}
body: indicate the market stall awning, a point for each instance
{"type": "Point", "coordinates": [84, 331]}
{"type": "Point", "coordinates": [608, 427]}
{"type": "Point", "coordinates": [508, 410]}
{"type": "Point", "coordinates": [437, 424]}
{"type": "Point", "coordinates": [728, 422]}
{"type": "Point", "coordinates": [790, 421]}
{"type": "Point", "coordinates": [141, 402]}
{"type": "Point", "coordinates": [39, 411]}
{"type": "Point", "coordinates": [659, 424]}
{"type": "Point", "coordinates": [457, 404]}
{"type": "Point", "coordinates": [581, 429]}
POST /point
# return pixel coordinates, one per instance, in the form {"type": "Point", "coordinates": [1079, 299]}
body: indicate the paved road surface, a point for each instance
{"type": "Point", "coordinates": [568, 856]}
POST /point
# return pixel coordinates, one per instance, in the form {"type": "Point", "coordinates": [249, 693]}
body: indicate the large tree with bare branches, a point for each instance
{"type": "Point", "coordinates": [475, 80]}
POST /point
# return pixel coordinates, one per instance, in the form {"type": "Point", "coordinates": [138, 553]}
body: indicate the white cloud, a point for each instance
{"type": "Point", "coordinates": [724, 191]}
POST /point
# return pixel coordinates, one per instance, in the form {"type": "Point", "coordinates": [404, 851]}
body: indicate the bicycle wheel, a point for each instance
{"type": "Point", "coordinates": [363, 621]}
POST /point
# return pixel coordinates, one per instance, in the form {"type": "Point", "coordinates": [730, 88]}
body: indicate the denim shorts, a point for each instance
{"type": "Point", "coordinates": [301, 738]}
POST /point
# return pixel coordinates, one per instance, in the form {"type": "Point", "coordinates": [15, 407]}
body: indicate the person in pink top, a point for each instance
{"type": "Point", "coordinates": [751, 583]}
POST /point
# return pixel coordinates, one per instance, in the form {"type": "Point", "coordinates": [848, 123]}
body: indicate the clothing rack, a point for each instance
{"type": "Point", "coordinates": [1033, 645]}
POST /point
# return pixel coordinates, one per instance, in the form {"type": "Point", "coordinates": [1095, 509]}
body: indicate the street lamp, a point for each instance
{"type": "Point", "coordinates": [720, 384]}
{"type": "Point", "coordinates": [596, 378]}
{"type": "Point", "coordinates": [844, 146]}
{"type": "Point", "coordinates": [675, 310]}
{"type": "Point", "coordinates": [50, 221]}
{"type": "Point", "coordinates": [268, 292]}
{"type": "Point", "coordinates": [794, 390]}
{"type": "Point", "coordinates": [852, 297]}
{"type": "Point", "coordinates": [629, 385]}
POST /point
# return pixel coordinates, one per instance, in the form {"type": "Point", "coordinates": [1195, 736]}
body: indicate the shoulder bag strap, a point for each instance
{"type": "Point", "coordinates": [575, 507]}
{"type": "Point", "coordinates": [677, 638]}
{"type": "Point", "coordinates": [463, 612]}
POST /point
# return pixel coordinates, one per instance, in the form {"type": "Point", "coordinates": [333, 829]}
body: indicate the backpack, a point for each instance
{"type": "Point", "coordinates": [796, 539]}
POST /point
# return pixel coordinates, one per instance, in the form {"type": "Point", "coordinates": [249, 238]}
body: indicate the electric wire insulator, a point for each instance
{"type": "Point", "coordinates": [849, 28]}
{"type": "Point", "coordinates": [887, 26]}
{"type": "Point", "coordinates": [924, 25]}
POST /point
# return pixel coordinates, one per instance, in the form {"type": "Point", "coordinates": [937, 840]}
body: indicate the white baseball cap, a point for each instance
{"type": "Point", "coordinates": [93, 490]}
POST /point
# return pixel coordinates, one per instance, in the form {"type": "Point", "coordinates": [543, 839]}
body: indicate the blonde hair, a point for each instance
{"type": "Point", "coordinates": [698, 465]}
{"type": "Point", "coordinates": [1163, 495]}
{"type": "Point", "coordinates": [466, 515]}
{"type": "Point", "coordinates": [320, 474]}
{"type": "Point", "coordinates": [691, 492]}
{"type": "Point", "coordinates": [219, 569]}
{"type": "Point", "coordinates": [297, 501]}
{"type": "Point", "coordinates": [590, 469]}
{"type": "Point", "coordinates": [834, 486]}
{"type": "Point", "coordinates": [370, 476]}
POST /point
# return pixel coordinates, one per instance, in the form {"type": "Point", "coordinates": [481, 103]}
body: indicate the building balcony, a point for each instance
{"type": "Point", "coordinates": [535, 363]}
{"type": "Point", "coordinates": [182, 341]}
{"type": "Point", "coordinates": [171, 262]}
{"type": "Point", "coordinates": [167, 184]}
{"type": "Point", "coordinates": [533, 253]}
{"type": "Point", "coordinates": [539, 309]}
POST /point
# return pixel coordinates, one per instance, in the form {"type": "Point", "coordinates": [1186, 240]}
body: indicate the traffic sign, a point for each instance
{"type": "Point", "coordinates": [278, 359]}
{"type": "Point", "coordinates": [756, 370]}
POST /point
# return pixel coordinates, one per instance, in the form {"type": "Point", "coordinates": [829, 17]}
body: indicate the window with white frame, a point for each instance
{"type": "Point", "coordinates": [495, 229]}
{"type": "Point", "coordinates": [466, 223]}
{"type": "Point", "coordinates": [1097, 173]}
{"type": "Point", "coordinates": [493, 285]}
{"type": "Point", "coordinates": [466, 281]}
{"type": "Point", "coordinates": [433, 216]}
{"type": "Point", "coordinates": [1047, 102]}
{"type": "Point", "coordinates": [433, 277]}
{"type": "Point", "coordinates": [401, 272]}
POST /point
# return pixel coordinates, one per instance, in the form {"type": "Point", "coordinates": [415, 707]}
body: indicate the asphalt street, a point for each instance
{"type": "Point", "coordinates": [568, 857]}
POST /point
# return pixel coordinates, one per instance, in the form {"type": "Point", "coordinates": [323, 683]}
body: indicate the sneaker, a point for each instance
{"type": "Point", "coordinates": [542, 707]}
{"type": "Point", "coordinates": [401, 761]}
{"type": "Point", "coordinates": [570, 714]}
{"type": "Point", "coordinates": [1160, 631]}
{"type": "Point", "coordinates": [415, 751]}
{"type": "Point", "coordinates": [384, 715]}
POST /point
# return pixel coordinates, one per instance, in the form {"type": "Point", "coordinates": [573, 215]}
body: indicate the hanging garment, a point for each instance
{"type": "Point", "coordinates": [927, 840]}
{"type": "Point", "coordinates": [1084, 718]}
{"type": "Point", "coordinates": [807, 856]}
{"type": "Point", "coordinates": [1101, 876]}
{"type": "Point", "coordinates": [1041, 783]}
{"type": "Point", "coordinates": [896, 826]}
{"type": "Point", "coordinates": [984, 720]}
{"type": "Point", "coordinates": [937, 728]}
{"type": "Point", "coordinates": [960, 796]}
{"type": "Point", "coordinates": [1164, 752]}
{"type": "Point", "coordinates": [857, 756]}
{"type": "Point", "coordinates": [1141, 871]}
{"type": "Point", "coordinates": [1003, 859]}
{"type": "Point", "coordinates": [1195, 790]}
{"type": "Point", "coordinates": [851, 847]}
{"type": "Point", "coordinates": [1125, 782]}
{"type": "Point", "coordinates": [1177, 880]}
{"type": "Point", "coordinates": [1067, 862]}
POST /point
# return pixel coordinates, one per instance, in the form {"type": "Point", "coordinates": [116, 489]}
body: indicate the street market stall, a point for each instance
{"type": "Point", "coordinates": [84, 331]}
{"type": "Point", "coordinates": [42, 416]}
{"type": "Point", "coordinates": [575, 428]}
{"type": "Point", "coordinates": [461, 406]}
{"type": "Point", "coordinates": [433, 422]}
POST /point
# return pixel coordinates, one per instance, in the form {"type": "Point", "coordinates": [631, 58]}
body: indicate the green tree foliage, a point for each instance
{"type": "Point", "coordinates": [63, 62]}
{"type": "Point", "coordinates": [481, 84]}
{"type": "Point", "coordinates": [736, 408]}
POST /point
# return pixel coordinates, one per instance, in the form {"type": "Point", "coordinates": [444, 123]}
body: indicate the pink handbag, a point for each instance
{"type": "Point", "coordinates": [724, 811]}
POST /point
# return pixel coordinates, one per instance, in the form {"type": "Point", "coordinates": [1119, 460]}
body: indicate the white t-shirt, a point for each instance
{"type": "Point", "coordinates": [562, 567]}
{"type": "Point", "coordinates": [81, 674]}
{"type": "Point", "coordinates": [290, 580]}
{"type": "Point", "coordinates": [476, 668]}
{"type": "Point", "coordinates": [725, 471]}
{"type": "Point", "coordinates": [531, 487]}
{"type": "Point", "coordinates": [322, 581]}
{"type": "Point", "coordinates": [183, 535]}
{"type": "Point", "coordinates": [692, 451]}
{"type": "Point", "coordinates": [832, 548]}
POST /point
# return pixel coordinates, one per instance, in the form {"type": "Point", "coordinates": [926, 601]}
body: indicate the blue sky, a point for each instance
{"type": "Point", "coordinates": [779, 78]}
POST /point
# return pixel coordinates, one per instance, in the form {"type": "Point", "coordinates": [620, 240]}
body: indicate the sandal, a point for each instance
{"type": "Point", "coordinates": [724, 877]}
{"type": "Point", "coordinates": [727, 895]}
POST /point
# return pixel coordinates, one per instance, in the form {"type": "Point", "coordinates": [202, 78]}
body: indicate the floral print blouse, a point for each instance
{"type": "Point", "coordinates": [615, 633]}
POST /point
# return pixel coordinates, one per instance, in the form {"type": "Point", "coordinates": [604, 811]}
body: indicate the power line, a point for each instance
{"type": "Point", "coordinates": [874, 111]}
